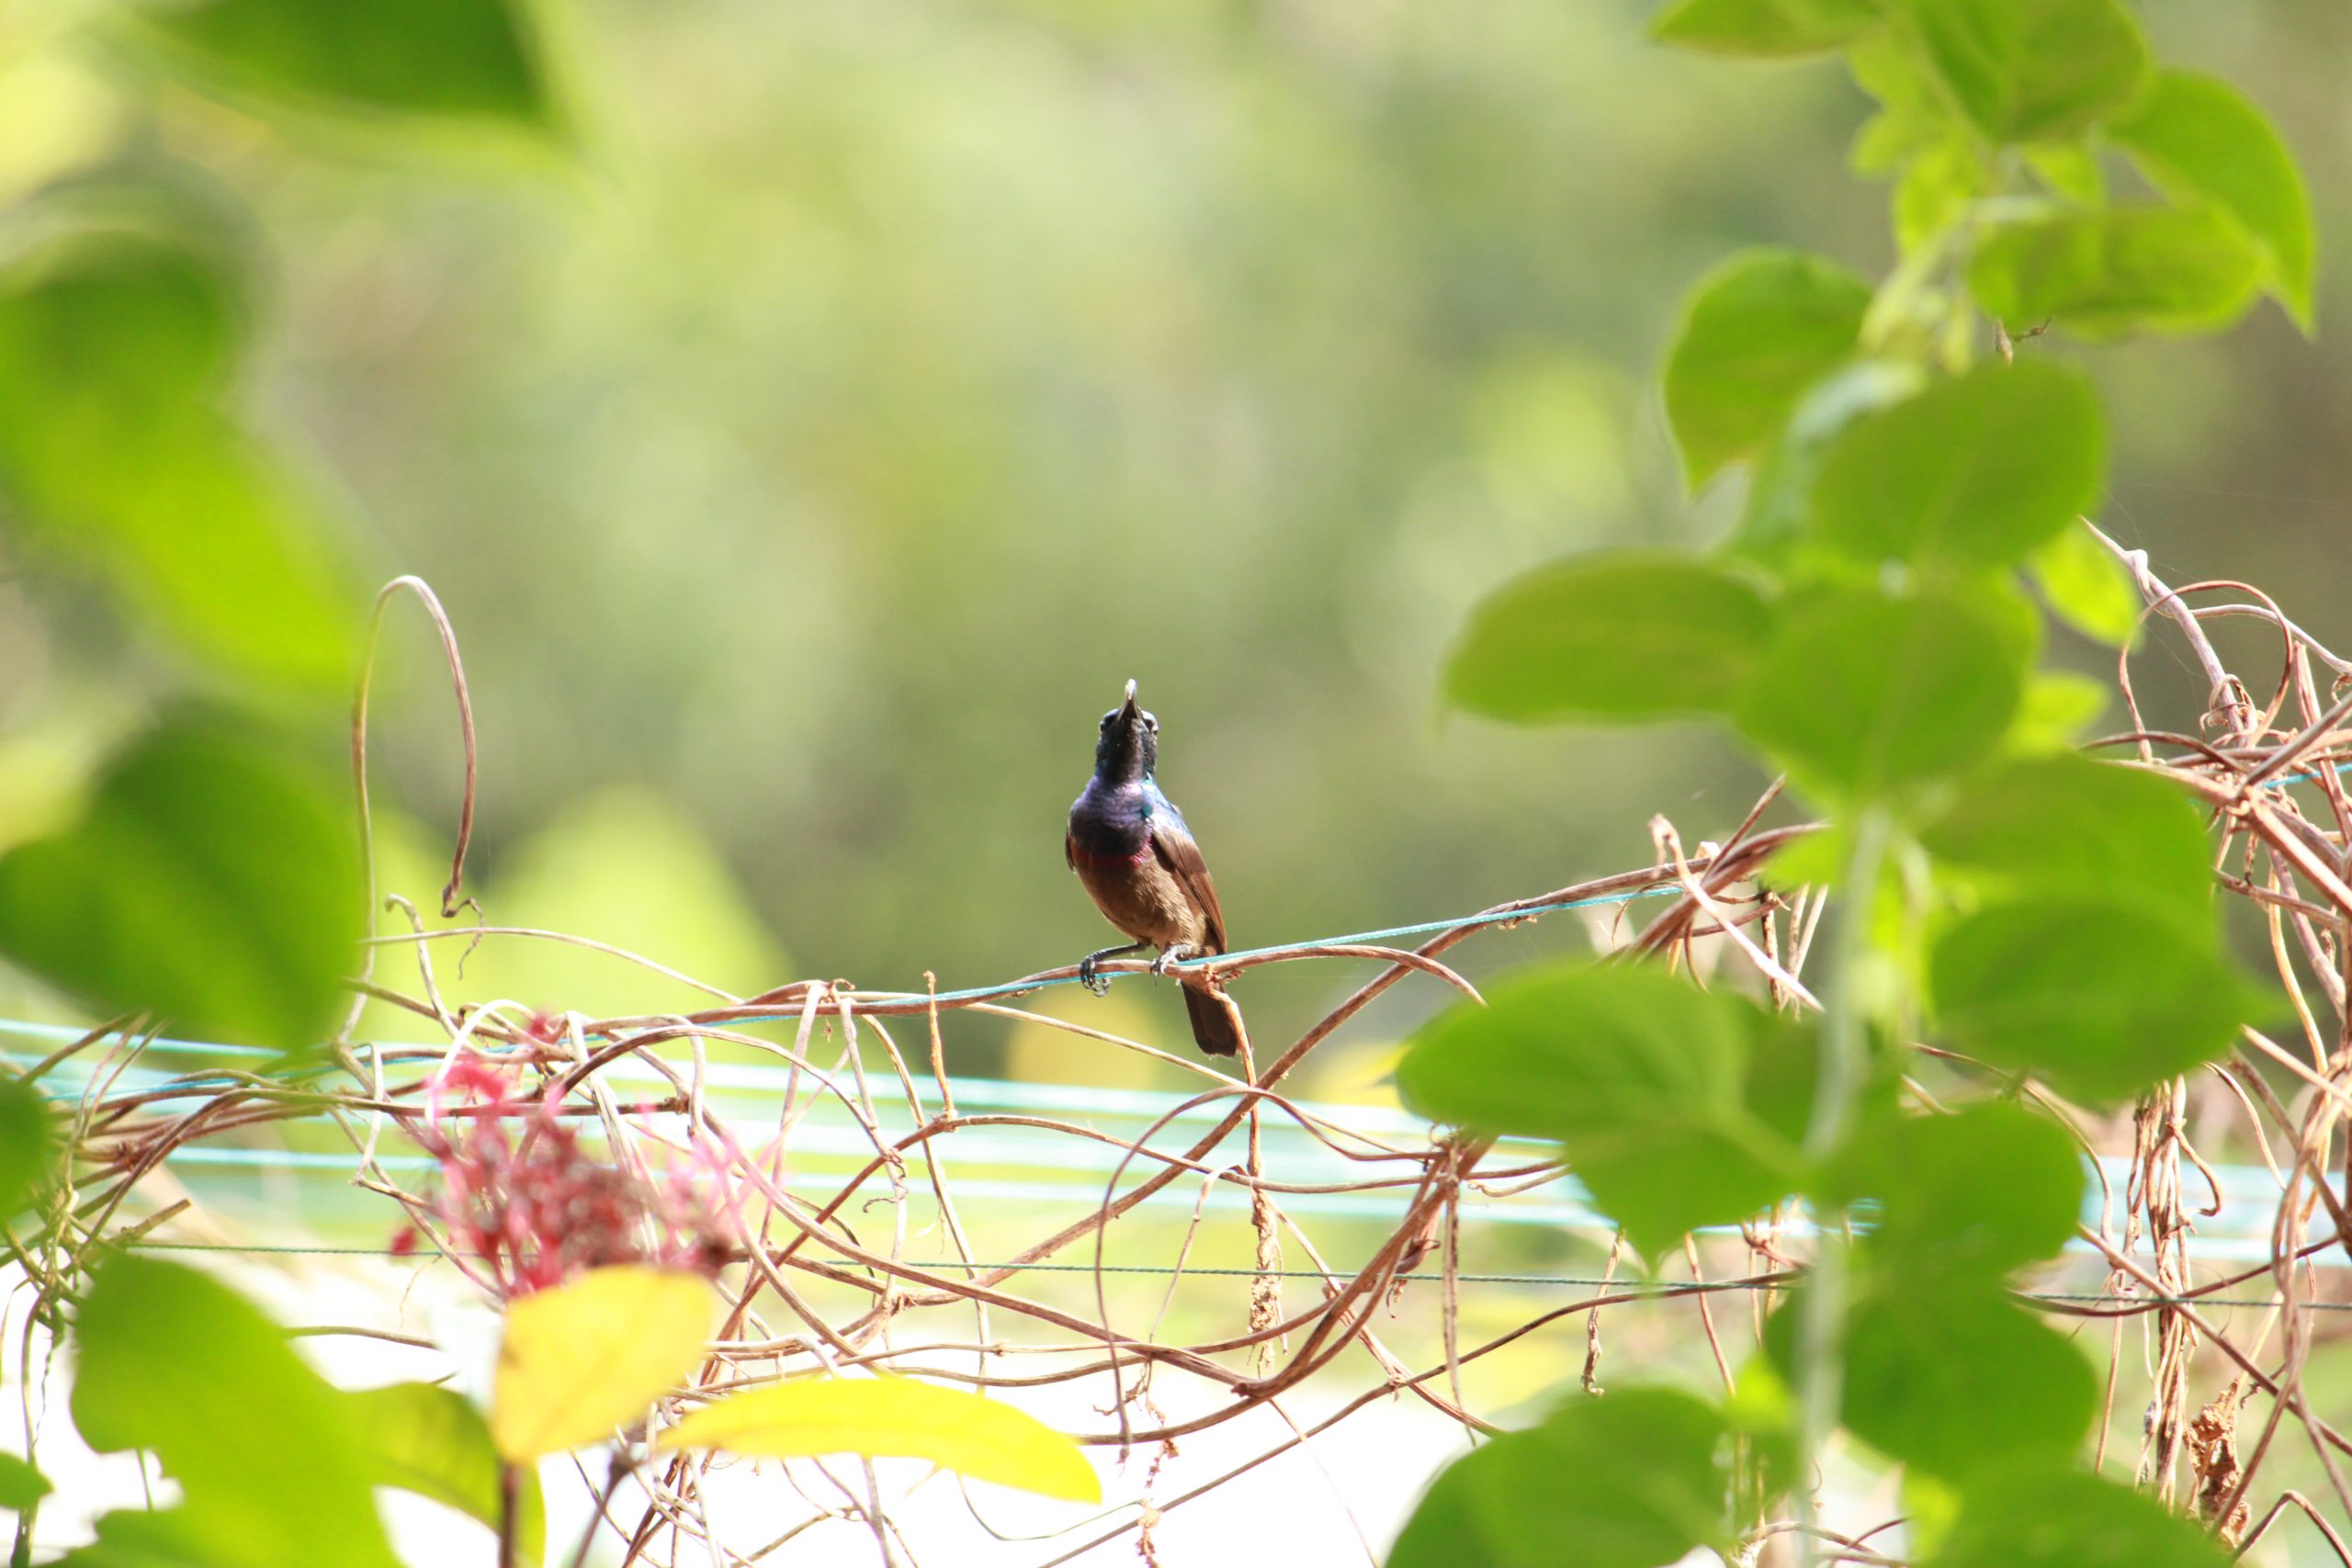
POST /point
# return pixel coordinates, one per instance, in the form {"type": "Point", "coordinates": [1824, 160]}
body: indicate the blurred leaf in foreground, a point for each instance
{"type": "Point", "coordinates": [592, 1354]}
{"type": "Point", "coordinates": [211, 881]}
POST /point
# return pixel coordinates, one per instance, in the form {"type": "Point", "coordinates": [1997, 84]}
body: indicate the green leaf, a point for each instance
{"type": "Point", "coordinates": [2040, 1517]}
{"type": "Point", "coordinates": [1969, 1196]}
{"type": "Point", "coordinates": [2085, 587]}
{"type": "Point", "coordinates": [2069, 169]}
{"type": "Point", "coordinates": [1644, 1076]}
{"type": "Point", "coordinates": [1958, 1378]}
{"type": "Point", "coordinates": [114, 352]}
{"type": "Point", "coordinates": [20, 1484]}
{"type": "Point", "coordinates": [2032, 73]}
{"type": "Point", "coordinates": [1865, 693]}
{"type": "Point", "coordinates": [1936, 187]}
{"type": "Point", "coordinates": [171, 1360]}
{"type": "Point", "coordinates": [1609, 637]}
{"type": "Point", "coordinates": [1763, 30]}
{"type": "Point", "coordinates": [893, 1417]}
{"type": "Point", "coordinates": [2100, 997]}
{"type": "Point", "coordinates": [592, 1354]}
{"type": "Point", "coordinates": [1633, 1480]}
{"type": "Point", "coordinates": [2200, 139]}
{"type": "Point", "coordinates": [27, 1143]}
{"type": "Point", "coordinates": [211, 881]}
{"type": "Point", "coordinates": [1780, 501]}
{"type": "Point", "coordinates": [433, 1441]}
{"type": "Point", "coordinates": [1971, 474]}
{"type": "Point", "coordinates": [2059, 705]}
{"type": "Point", "coordinates": [455, 60]}
{"type": "Point", "coordinates": [2065, 825]}
{"type": "Point", "coordinates": [2105, 274]}
{"type": "Point", "coordinates": [1756, 331]}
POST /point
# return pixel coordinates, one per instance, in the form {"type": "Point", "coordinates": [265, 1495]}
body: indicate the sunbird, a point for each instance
{"type": "Point", "coordinates": [1130, 848]}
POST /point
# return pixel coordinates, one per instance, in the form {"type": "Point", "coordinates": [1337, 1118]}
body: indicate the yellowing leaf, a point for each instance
{"type": "Point", "coordinates": [893, 1417]}
{"type": "Point", "coordinates": [584, 1357]}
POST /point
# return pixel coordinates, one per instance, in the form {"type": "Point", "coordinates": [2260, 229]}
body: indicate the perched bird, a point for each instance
{"type": "Point", "coordinates": [1129, 846]}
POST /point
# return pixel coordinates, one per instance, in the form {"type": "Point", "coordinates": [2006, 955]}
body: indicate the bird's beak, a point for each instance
{"type": "Point", "coordinates": [1128, 711]}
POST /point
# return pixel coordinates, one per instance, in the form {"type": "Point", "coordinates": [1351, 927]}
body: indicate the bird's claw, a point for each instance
{"type": "Point", "coordinates": [1169, 956]}
{"type": "Point", "coordinates": [1092, 978]}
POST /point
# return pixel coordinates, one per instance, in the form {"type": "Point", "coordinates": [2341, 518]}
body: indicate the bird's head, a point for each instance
{"type": "Point", "coordinates": [1130, 744]}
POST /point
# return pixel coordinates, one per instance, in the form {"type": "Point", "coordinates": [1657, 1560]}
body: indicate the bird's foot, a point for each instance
{"type": "Point", "coordinates": [1089, 968]}
{"type": "Point", "coordinates": [1169, 956]}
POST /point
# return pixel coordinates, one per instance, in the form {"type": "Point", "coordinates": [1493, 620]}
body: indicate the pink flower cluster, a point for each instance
{"type": "Point", "coordinates": [524, 1206]}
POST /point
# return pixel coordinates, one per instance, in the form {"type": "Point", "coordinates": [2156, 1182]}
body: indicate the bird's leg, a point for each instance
{"type": "Point", "coordinates": [1172, 954]}
{"type": "Point", "coordinates": [1086, 971]}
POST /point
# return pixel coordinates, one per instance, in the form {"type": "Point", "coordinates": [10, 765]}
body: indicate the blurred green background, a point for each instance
{"type": "Point", "coordinates": [812, 433]}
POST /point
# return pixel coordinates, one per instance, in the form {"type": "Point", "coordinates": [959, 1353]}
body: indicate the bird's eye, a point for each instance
{"type": "Point", "coordinates": [1106, 720]}
{"type": "Point", "coordinates": [1151, 724]}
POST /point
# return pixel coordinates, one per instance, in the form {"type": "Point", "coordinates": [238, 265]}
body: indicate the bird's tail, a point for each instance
{"type": "Point", "coordinates": [1216, 1022]}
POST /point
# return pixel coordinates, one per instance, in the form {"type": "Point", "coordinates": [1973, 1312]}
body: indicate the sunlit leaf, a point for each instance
{"type": "Point", "coordinates": [2085, 586]}
{"type": "Point", "coordinates": [2101, 997]}
{"type": "Point", "coordinates": [592, 1354]}
{"type": "Point", "coordinates": [1609, 637]}
{"type": "Point", "coordinates": [2059, 708]}
{"type": "Point", "coordinates": [1973, 473]}
{"type": "Point", "coordinates": [1780, 499]}
{"type": "Point", "coordinates": [2041, 1515]}
{"type": "Point", "coordinates": [1644, 1076]}
{"type": "Point", "coordinates": [893, 1417]}
{"type": "Point", "coordinates": [114, 352]}
{"type": "Point", "coordinates": [170, 1360]}
{"type": "Point", "coordinates": [1935, 187]}
{"type": "Point", "coordinates": [1865, 693]}
{"type": "Point", "coordinates": [27, 1143]}
{"type": "Point", "coordinates": [1960, 1378]}
{"type": "Point", "coordinates": [1766, 30]}
{"type": "Point", "coordinates": [2066, 825]}
{"type": "Point", "coordinates": [2032, 73]}
{"type": "Point", "coordinates": [1756, 332]}
{"type": "Point", "coordinates": [211, 881]}
{"type": "Point", "coordinates": [466, 60]}
{"type": "Point", "coordinates": [2069, 169]}
{"type": "Point", "coordinates": [433, 1441]}
{"type": "Point", "coordinates": [1633, 1480]}
{"type": "Point", "coordinates": [2202, 139]}
{"type": "Point", "coordinates": [1936, 1214]}
{"type": "Point", "coordinates": [20, 1484]}
{"type": "Point", "coordinates": [2105, 274]}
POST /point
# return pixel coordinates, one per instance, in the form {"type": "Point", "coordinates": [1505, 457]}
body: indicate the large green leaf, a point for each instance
{"type": "Point", "coordinates": [2085, 587]}
{"type": "Point", "coordinates": [2101, 996]}
{"type": "Point", "coordinates": [210, 881]}
{"type": "Point", "coordinates": [2039, 1516]}
{"type": "Point", "coordinates": [114, 354]}
{"type": "Point", "coordinates": [1780, 499]}
{"type": "Point", "coordinates": [1865, 693]}
{"type": "Point", "coordinates": [464, 60]}
{"type": "Point", "coordinates": [1632, 1480]}
{"type": "Point", "coordinates": [1756, 331]}
{"type": "Point", "coordinates": [1973, 473]}
{"type": "Point", "coordinates": [2031, 72]}
{"type": "Point", "coordinates": [434, 1441]}
{"type": "Point", "coordinates": [2105, 274]}
{"type": "Point", "coordinates": [1763, 30]}
{"type": "Point", "coordinates": [1968, 1196]}
{"type": "Point", "coordinates": [2066, 825]}
{"type": "Point", "coordinates": [2202, 139]}
{"type": "Point", "coordinates": [1644, 1078]}
{"type": "Point", "coordinates": [27, 1143]}
{"type": "Point", "coordinates": [1610, 638]}
{"type": "Point", "coordinates": [1958, 1378]}
{"type": "Point", "coordinates": [273, 1468]}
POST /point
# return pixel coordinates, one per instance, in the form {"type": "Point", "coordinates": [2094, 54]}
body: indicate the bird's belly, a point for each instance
{"type": "Point", "coordinates": [1142, 898]}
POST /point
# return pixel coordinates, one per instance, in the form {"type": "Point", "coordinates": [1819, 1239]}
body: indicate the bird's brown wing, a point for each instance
{"type": "Point", "coordinates": [1174, 849]}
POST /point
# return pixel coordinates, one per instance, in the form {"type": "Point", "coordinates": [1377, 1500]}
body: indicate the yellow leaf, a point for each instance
{"type": "Point", "coordinates": [893, 1417]}
{"type": "Point", "coordinates": [584, 1357]}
